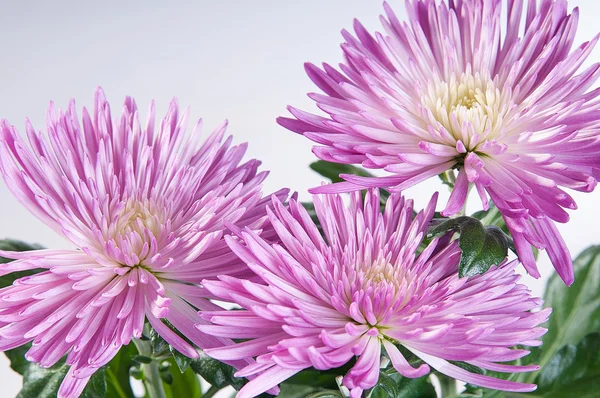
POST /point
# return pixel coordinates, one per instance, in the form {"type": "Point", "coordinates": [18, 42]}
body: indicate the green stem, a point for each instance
{"type": "Point", "coordinates": [447, 384]}
{"type": "Point", "coordinates": [211, 391]}
{"type": "Point", "coordinates": [152, 381]}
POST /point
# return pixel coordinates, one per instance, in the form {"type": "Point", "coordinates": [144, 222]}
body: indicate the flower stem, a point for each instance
{"type": "Point", "coordinates": [152, 381]}
{"type": "Point", "coordinates": [210, 392]}
{"type": "Point", "coordinates": [447, 384]}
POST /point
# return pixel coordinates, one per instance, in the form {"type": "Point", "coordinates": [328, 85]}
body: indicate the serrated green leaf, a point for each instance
{"type": "Point", "coordinates": [493, 252]}
{"type": "Point", "coordinates": [393, 385]}
{"type": "Point", "coordinates": [41, 382]}
{"type": "Point", "coordinates": [481, 246]}
{"type": "Point", "coordinates": [181, 360]}
{"type": "Point", "coordinates": [186, 384]}
{"type": "Point", "coordinates": [471, 241]}
{"type": "Point", "coordinates": [218, 374]}
{"type": "Point", "coordinates": [386, 387]}
{"type": "Point", "coordinates": [159, 345]}
{"type": "Point", "coordinates": [97, 386]}
{"type": "Point", "coordinates": [307, 382]}
{"type": "Point", "coordinates": [413, 388]}
{"type": "Point", "coordinates": [323, 394]}
{"type": "Point", "coordinates": [111, 381]}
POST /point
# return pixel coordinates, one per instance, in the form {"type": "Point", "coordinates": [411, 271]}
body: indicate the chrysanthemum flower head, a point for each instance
{"type": "Point", "coordinates": [457, 87]}
{"type": "Point", "coordinates": [361, 293]}
{"type": "Point", "coordinates": [146, 208]}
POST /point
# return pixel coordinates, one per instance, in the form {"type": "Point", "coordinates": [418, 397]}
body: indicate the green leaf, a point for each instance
{"type": "Point", "coordinates": [307, 382]}
{"type": "Point", "coordinates": [15, 246]}
{"type": "Point", "coordinates": [575, 311]}
{"type": "Point", "coordinates": [491, 217]}
{"type": "Point", "coordinates": [448, 178]}
{"type": "Point", "coordinates": [573, 371]}
{"type": "Point", "coordinates": [332, 171]}
{"type": "Point", "coordinates": [471, 241]}
{"type": "Point", "coordinates": [110, 381]}
{"type": "Point", "coordinates": [142, 359]}
{"type": "Point", "coordinates": [41, 382]}
{"type": "Point", "coordinates": [184, 384]}
{"type": "Point", "coordinates": [392, 385]}
{"type": "Point", "coordinates": [159, 345]}
{"type": "Point", "coordinates": [481, 246]}
{"type": "Point", "coordinates": [181, 360]}
{"type": "Point", "coordinates": [96, 387]}
{"type": "Point", "coordinates": [493, 252]}
{"type": "Point", "coordinates": [117, 373]}
{"type": "Point", "coordinates": [321, 394]}
{"type": "Point", "coordinates": [218, 374]}
{"type": "Point", "coordinates": [16, 356]}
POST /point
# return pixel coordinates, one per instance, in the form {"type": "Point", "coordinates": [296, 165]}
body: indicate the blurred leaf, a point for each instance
{"type": "Point", "coordinates": [575, 310]}
{"type": "Point", "coordinates": [481, 246]}
{"type": "Point", "coordinates": [448, 178]}
{"type": "Point", "coordinates": [491, 217]}
{"type": "Point", "coordinates": [15, 246]}
{"type": "Point", "coordinates": [568, 348]}
{"type": "Point", "coordinates": [573, 371]}
{"type": "Point", "coordinates": [218, 374]}
{"type": "Point", "coordinates": [142, 359]}
{"type": "Point", "coordinates": [332, 171]}
{"type": "Point", "coordinates": [184, 384]}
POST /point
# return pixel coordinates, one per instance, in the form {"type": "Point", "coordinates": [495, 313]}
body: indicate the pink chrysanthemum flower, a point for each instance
{"type": "Point", "coordinates": [448, 89]}
{"type": "Point", "coordinates": [363, 292]}
{"type": "Point", "coordinates": [146, 207]}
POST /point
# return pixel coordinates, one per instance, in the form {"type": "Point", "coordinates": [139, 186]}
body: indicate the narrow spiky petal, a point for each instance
{"type": "Point", "coordinates": [147, 208]}
{"type": "Point", "coordinates": [504, 102]}
{"type": "Point", "coordinates": [362, 291]}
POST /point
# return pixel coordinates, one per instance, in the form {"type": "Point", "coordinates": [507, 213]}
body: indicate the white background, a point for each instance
{"type": "Point", "coordinates": [240, 60]}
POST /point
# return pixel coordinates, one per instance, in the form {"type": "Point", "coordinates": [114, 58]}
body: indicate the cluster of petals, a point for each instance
{"type": "Point", "coordinates": [360, 292]}
{"type": "Point", "coordinates": [499, 95]}
{"type": "Point", "coordinates": [146, 207]}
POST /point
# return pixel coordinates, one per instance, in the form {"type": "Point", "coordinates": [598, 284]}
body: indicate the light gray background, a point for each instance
{"type": "Point", "coordinates": [240, 60]}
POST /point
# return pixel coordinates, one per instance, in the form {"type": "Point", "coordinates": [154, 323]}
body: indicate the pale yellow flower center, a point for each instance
{"type": "Point", "coordinates": [470, 108]}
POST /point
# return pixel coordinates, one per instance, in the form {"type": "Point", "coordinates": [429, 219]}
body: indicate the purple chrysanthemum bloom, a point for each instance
{"type": "Point", "coordinates": [448, 89]}
{"type": "Point", "coordinates": [146, 206]}
{"type": "Point", "coordinates": [364, 291]}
